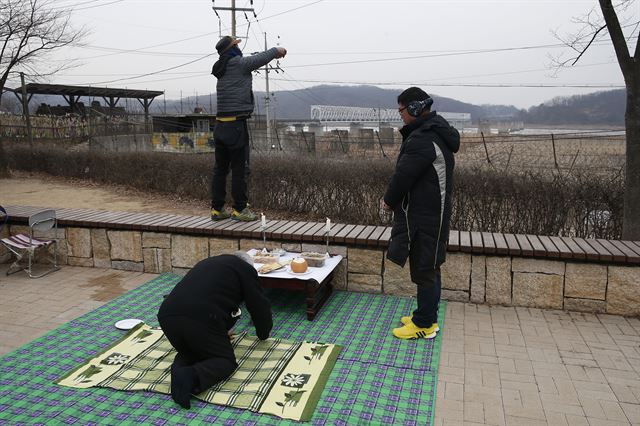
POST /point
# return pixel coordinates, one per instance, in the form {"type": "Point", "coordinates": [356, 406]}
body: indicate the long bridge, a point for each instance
{"type": "Point", "coordinates": [334, 114]}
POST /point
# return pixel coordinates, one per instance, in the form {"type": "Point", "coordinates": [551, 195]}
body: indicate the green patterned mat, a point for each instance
{"type": "Point", "coordinates": [274, 376]}
{"type": "Point", "coordinates": [377, 378]}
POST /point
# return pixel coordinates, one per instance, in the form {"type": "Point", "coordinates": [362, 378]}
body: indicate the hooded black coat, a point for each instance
{"type": "Point", "coordinates": [420, 194]}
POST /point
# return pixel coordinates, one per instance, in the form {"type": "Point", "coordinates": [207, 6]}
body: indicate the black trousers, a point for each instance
{"type": "Point", "coordinates": [232, 153]}
{"type": "Point", "coordinates": [205, 347]}
{"type": "Point", "coordinates": [428, 299]}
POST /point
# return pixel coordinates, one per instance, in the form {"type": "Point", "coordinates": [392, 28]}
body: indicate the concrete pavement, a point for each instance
{"type": "Point", "coordinates": [499, 365]}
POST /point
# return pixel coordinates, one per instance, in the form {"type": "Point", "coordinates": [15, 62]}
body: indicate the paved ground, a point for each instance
{"type": "Point", "coordinates": [499, 366]}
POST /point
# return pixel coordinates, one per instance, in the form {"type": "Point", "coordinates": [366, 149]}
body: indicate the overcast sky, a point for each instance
{"type": "Point", "coordinates": [449, 48]}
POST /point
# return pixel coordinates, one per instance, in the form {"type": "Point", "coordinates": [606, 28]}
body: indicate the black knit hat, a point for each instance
{"type": "Point", "coordinates": [226, 43]}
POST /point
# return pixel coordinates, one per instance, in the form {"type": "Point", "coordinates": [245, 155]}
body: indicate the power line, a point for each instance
{"type": "Point", "coordinates": [74, 7]}
{"type": "Point", "coordinates": [154, 72]}
{"type": "Point", "coordinates": [120, 51]}
{"type": "Point", "coordinates": [437, 55]}
{"type": "Point", "coordinates": [429, 83]}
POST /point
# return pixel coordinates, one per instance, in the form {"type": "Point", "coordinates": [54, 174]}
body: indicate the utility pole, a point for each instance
{"type": "Point", "coordinates": [233, 10]}
{"type": "Point", "coordinates": [25, 111]}
{"type": "Point", "coordinates": [267, 97]}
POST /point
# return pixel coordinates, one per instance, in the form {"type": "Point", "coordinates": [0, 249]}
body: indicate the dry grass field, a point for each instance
{"type": "Point", "coordinates": [596, 153]}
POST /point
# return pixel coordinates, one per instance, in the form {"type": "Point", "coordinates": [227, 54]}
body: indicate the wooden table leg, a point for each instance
{"type": "Point", "coordinates": [317, 294]}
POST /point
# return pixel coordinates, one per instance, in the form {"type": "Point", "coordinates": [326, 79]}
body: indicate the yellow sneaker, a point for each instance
{"type": "Point", "coordinates": [407, 320]}
{"type": "Point", "coordinates": [219, 215]}
{"type": "Point", "coordinates": [246, 215]}
{"type": "Point", "coordinates": [411, 331]}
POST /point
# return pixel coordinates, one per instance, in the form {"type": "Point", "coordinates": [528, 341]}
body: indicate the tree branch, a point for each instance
{"type": "Point", "coordinates": [616, 34]}
{"type": "Point", "coordinates": [595, 34]}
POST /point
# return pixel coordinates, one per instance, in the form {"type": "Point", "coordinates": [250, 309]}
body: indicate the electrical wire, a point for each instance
{"type": "Point", "coordinates": [153, 72]}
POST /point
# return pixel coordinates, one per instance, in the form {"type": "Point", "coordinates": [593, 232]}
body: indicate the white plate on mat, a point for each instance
{"type": "Point", "coordinates": [127, 324]}
{"type": "Point", "coordinates": [308, 271]}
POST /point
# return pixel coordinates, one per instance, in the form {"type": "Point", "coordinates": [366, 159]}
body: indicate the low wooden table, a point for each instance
{"type": "Point", "coordinates": [316, 284]}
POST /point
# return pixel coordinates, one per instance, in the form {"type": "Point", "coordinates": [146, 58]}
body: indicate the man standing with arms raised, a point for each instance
{"type": "Point", "coordinates": [419, 193]}
{"type": "Point", "coordinates": [231, 135]}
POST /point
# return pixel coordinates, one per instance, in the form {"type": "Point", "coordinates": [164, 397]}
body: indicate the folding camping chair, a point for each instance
{"type": "Point", "coordinates": [22, 244]}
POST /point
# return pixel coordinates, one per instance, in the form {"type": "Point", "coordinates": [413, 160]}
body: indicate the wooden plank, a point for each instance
{"type": "Point", "coordinates": [72, 216]}
{"type": "Point", "coordinates": [143, 219]}
{"type": "Point", "coordinates": [98, 219]}
{"type": "Point", "coordinates": [308, 235]}
{"type": "Point", "coordinates": [292, 231]}
{"type": "Point", "coordinates": [510, 242]}
{"type": "Point", "coordinates": [536, 245]}
{"type": "Point", "coordinates": [134, 221]}
{"type": "Point", "coordinates": [476, 242]}
{"type": "Point", "coordinates": [385, 237]}
{"type": "Point", "coordinates": [21, 213]}
{"type": "Point", "coordinates": [299, 233]}
{"type": "Point", "coordinates": [116, 218]}
{"type": "Point", "coordinates": [589, 251]}
{"type": "Point", "coordinates": [551, 249]}
{"type": "Point", "coordinates": [618, 256]}
{"type": "Point", "coordinates": [465, 241]}
{"type": "Point", "coordinates": [603, 253]}
{"type": "Point", "coordinates": [158, 218]}
{"type": "Point", "coordinates": [454, 241]}
{"type": "Point", "coordinates": [254, 232]}
{"type": "Point", "coordinates": [197, 226]}
{"type": "Point", "coordinates": [576, 251]}
{"type": "Point", "coordinates": [271, 227]}
{"type": "Point", "coordinates": [227, 228]}
{"type": "Point", "coordinates": [321, 233]}
{"type": "Point", "coordinates": [632, 256]}
{"type": "Point", "coordinates": [633, 245]}
{"type": "Point", "coordinates": [245, 231]}
{"type": "Point", "coordinates": [77, 218]}
{"type": "Point", "coordinates": [564, 251]}
{"type": "Point", "coordinates": [339, 237]}
{"type": "Point", "coordinates": [351, 237]}
{"type": "Point", "coordinates": [93, 220]}
{"type": "Point", "coordinates": [374, 238]}
{"type": "Point", "coordinates": [363, 237]}
{"type": "Point", "coordinates": [488, 242]}
{"type": "Point", "coordinates": [525, 245]}
{"type": "Point", "coordinates": [177, 225]}
{"type": "Point", "coordinates": [277, 232]}
{"type": "Point", "coordinates": [166, 224]}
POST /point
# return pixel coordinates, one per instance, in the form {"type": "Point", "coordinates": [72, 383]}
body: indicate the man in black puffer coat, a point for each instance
{"type": "Point", "coordinates": [419, 194]}
{"type": "Point", "coordinates": [197, 317]}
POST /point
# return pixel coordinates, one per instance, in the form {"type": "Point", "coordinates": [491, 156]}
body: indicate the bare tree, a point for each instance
{"type": "Point", "coordinates": [29, 31]}
{"type": "Point", "coordinates": [595, 26]}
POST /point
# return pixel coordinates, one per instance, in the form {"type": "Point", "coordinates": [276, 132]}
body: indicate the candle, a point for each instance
{"type": "Point", "coordinates": [264, 220]}
{"type": "Point", "coordinates": [327, 227]}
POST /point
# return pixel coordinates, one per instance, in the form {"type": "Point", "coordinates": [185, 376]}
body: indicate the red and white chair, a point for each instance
{"type": "Point", "coordinates": [23, 244]}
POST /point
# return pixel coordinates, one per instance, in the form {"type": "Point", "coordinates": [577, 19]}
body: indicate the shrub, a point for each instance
{"type": "Point", "coordinates": [578, 203]}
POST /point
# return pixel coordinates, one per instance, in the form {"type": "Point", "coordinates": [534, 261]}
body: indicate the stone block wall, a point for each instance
{"type": "Point", "coordinates": [466, 277]}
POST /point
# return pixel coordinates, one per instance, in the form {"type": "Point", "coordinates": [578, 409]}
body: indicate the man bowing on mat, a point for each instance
{"type": "Point", "coordinates": [197, 317]}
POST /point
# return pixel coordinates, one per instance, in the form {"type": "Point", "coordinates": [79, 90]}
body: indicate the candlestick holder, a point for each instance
{"type": "Point", "coordinates": [264, 237]}
{"type": "Point", "coordinates": [326, 233]}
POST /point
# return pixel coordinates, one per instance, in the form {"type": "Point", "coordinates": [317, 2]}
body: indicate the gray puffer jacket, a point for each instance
{"type": "Point", "coordinates": [234, 87]}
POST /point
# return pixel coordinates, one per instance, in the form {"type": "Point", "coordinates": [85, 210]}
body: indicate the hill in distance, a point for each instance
{"type": "Point", "coordinates": [594, 109]}
{"type": "Point", "coordinates": [599, 108]}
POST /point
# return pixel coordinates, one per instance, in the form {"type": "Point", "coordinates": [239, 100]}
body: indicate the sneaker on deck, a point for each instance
{"type": "Point", "coordinates": [219, 215]}
{"type": "Point", "coordinates": [407, 320]}
{"type": "Point", "coordinates": [412, 331]}
{"type": "Point", "coordinates": [246, 215]}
